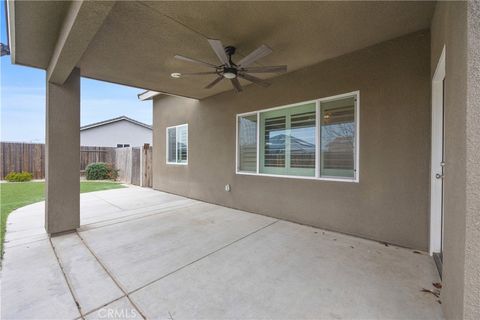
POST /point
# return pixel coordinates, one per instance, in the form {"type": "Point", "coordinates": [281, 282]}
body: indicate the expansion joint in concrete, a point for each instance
{"type": "Point", "coordinates": [75, 298]}
{"type": "Point", "coordinates": [125, 292]}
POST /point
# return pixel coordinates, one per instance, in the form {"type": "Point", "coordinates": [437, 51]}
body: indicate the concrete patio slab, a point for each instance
{"type": "Point", "coordinates": [290, 271]}
{"type": "Point", "coordinates": [91, 285]}
{"type": "Point", "coordinates": [119, 309]}
{"type": "Point", "coordinates": [33, 286]}
{"type": "Point", "coordinates": [151, 247]}
{"type": "Point", "coordinates": [165, 256]}
{"type": "Point", "coordinates": [26, 224]}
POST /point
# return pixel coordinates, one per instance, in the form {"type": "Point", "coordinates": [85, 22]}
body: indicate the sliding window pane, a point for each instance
{"type": "Point", "coordinates": [247, 143]}
{"type": "Point", "coordinates": [182, 144]}
{"type": "Point", "coordinates": [274, 141]}
{"type": "Point", "coordinates": [172, 140]}
{"type": "Point", "coordinates": [302, 140]}
{"type": "Point", "coordinates": [288, 141]}
{"type": "Point", "coordinates": [338, 138]}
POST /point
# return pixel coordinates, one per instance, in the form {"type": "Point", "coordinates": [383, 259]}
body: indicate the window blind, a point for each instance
{"type": "Point", "coordinates": [247, 141]}
{"type": "Point", "coordinates": [302, 140]}
{"type": "Point", "coordinates": [275, 138]}
{"type": "Point", "coordinates": [338, 138]}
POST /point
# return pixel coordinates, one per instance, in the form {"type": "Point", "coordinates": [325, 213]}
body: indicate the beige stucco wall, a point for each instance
{"type": "Point", "coordinates": [390, 203]}
{"type": "Point", "coordinates": [62, 152]}
{"type": "Point", "coordinates": [456, 25]}
{"type": "Point", "coordinates": [472, 233]}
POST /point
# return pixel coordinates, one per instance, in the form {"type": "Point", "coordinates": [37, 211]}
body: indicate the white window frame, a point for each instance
{"type": "Point", "coordinates": [317, 176]}
{"type": "Point", "coordinates": [176, 144]}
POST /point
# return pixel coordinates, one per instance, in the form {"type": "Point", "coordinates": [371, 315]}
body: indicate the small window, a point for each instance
{"type": "Point", "coordinates": [126, 145]}
{"type": "Point", "coordinates": [177, 144]}
{"type": "Point", "coordinates": [119, 145]}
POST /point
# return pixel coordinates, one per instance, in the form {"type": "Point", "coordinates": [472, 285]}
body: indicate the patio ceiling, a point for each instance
{"type": "Point", "coordinates": [133, 43]}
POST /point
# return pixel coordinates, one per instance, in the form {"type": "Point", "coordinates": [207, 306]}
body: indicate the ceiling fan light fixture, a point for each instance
{"type": "Point", "coordinates": [229, 73]}
{"type": "Point", "coordinates": [176, 75]}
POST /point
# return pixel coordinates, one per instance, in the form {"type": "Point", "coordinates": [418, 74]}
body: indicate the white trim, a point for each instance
{"type": "Point", "coordinates": [357, 138]}
{"type": "Point", "coordinates": [150, 94]}
{"type": "Point", "coordinates": [10, 6]}
{"type": "Point", "coordinates": [317, 139]}
{"type": "Point", "coordinates": [176, 135]}
{"type": "Point", "coordinates": [317, 176]}
{"type": "Point", "coordinates": [147, 95]}
{"type": "Point", "coordinates": [236, 143]}
{"type": "Point", "coordinates": [258, 143]}
{"type": "Point", "coordinates": [294, 177]}
{"type": "Point", "coordinates": [436, 185]}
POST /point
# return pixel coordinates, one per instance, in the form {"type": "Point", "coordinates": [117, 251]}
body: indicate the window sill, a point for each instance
{"type": "Point", "coordinates": [177, 164]}
{"type": "Point", "coordinates": [297, 177]}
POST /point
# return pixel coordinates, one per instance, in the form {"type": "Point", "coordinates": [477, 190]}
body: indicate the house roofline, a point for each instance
{"type": "Point", "coordinates": [104, 122]}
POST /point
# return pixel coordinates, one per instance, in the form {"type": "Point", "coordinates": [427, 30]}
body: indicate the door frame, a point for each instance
{"type": "Point", "coordinates": [436, 185]}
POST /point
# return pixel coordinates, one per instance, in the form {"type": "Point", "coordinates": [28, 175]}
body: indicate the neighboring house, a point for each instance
{"type": "Point", "coordinates": [118, 132]}
{"type": "Point", "coordinates": [398, 79]}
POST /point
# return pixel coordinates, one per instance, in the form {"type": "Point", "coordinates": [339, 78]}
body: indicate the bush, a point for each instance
{"type": "Point", "coordinates": [19, 176]}
{"type": "Point", "coordinates": [101, 171]}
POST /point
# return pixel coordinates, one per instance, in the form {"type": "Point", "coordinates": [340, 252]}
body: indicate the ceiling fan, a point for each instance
{"type": "Point", "coordinates": [227, 69]}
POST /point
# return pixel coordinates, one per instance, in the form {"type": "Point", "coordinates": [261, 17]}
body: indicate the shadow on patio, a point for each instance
{"type": "Point", "coordinates": [147, 253]}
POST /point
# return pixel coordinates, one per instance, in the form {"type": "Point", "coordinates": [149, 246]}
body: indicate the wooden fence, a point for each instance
{"type": "Point", "coordinates": [127, 162]}
{"type": "Point", "coordinates": [146, 166]}
{"type": "Point", "coordinates": [22, 157]}
{"type": "Point", "coordinates": [96, 154]}
{"type": "Point", "coordinates": [134, 164]}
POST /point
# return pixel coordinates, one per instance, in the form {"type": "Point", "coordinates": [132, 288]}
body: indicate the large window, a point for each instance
{"type": "Point", "coordinates": [177, 144]}
{"type": "Point", "coordinates": [315, 139]}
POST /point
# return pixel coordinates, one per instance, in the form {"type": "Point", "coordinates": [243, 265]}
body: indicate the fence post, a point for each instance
{"type": "Point", "coordinates": [143, 165]}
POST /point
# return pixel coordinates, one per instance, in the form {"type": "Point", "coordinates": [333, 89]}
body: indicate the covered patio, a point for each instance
{"type": "Point", "coordinates": [145, 253]}
{"type": "Point", "coordinates": [368, 126]}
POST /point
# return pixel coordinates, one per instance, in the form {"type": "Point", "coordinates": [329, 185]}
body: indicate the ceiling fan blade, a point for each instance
{"type": "Point", "coordinates": [198, 73]}
{"type": "Point", "coordinates": [266, 69]}
{"type": "Point", "coordinates": [253, 79]}
{"type": "Point", "coordinates": [236, 85]}
{"type": "Point", "coordinates": [256, 54]}
{"type": "Point", "coordinates": [179, 57]}
{"type": "Point", "coordinates": [217, 46]}
{"type": "Point", "coordinates": [214, 82]}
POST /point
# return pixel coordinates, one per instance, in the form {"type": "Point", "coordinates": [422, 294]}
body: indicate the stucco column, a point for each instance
{"type": "Point", "coordinates": [62, 148]}
{"type": "Point", "coordinates": [472, 219]}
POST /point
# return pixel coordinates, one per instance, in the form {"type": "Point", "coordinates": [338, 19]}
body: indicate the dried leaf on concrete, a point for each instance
{"type": "Point", "coordinates": [437, 285]}
{"type": "Point", "coordinates": [436, 294]}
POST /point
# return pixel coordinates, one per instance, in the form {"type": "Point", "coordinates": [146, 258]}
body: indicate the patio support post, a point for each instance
{"type": "Point", "coordinates": [62, 154]}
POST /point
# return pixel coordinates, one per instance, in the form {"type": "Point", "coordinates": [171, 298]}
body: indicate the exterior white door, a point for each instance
{"type": "Point", "coordinates": [437, 162]}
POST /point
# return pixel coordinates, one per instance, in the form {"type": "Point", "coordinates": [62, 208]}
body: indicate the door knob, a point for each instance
{"type": "Point", "coordinates": [439, 176]}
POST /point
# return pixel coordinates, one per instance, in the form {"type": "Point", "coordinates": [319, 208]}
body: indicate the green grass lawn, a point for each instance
{"type": "Point", "coordinates": [14, 195]}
